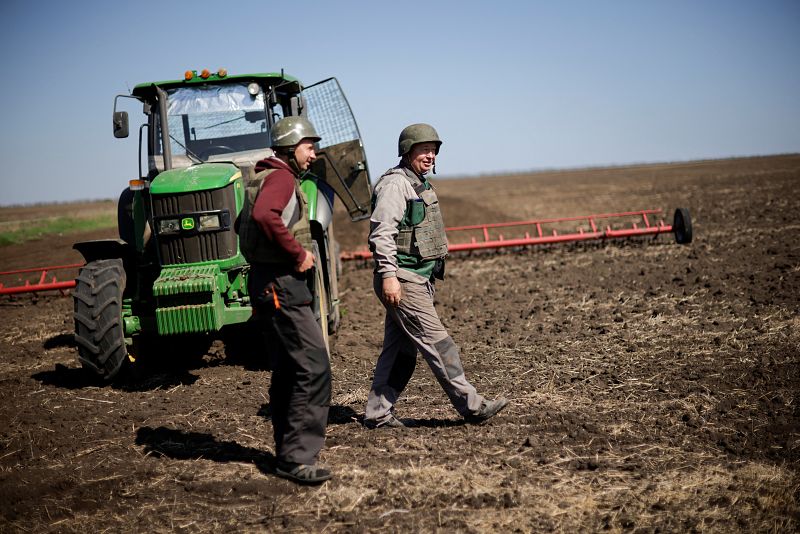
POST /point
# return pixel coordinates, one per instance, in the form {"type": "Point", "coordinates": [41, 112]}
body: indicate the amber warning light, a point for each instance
{"type": "Point", "coordinates": [204, 74]}
{"type": "Point", "coordinates": [136, 185]}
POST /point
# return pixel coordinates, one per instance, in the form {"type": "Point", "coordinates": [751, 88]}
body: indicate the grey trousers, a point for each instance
{"type": "Point", "coordinates": [300, 389]}
{"type": "Point", "coordinates": [415, 326]}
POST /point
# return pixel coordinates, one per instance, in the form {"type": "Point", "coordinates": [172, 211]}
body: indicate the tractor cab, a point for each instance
{"type": "Point", "coordinates": [216, 117]}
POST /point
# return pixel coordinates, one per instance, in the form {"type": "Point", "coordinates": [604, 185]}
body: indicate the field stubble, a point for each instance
{"type": "Point", "coordinates": [653, 386]}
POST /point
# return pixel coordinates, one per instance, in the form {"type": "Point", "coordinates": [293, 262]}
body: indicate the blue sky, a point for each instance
{"type": "Point", "coordinates": [510, 85]}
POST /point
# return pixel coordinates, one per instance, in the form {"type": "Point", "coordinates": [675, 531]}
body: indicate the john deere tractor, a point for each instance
{"type": "Point", "coordinates": [176, 270]}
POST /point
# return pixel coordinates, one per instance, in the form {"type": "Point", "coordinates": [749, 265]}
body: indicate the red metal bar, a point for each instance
{"type": "Point", "coordinates": [472, 244]}
{"type": "Point", "coordinates": [578, 235]}
{"type": "Point", "coordinates": [25, 286]}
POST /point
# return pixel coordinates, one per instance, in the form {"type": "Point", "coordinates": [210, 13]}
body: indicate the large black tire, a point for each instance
{"type": "Point", "coordinates": [99, 330]}
{"type": "Point", "coordinates": [322, 312]}
{"type": "Point", "coordinates": [335, 316]}
{"type": "Point", "coordinates": [682, 226]}
{"type": "Point", "coordinates": [320, 301]}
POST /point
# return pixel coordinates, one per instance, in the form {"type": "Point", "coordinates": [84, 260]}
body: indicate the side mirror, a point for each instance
{"type": "Point", "coordinates": [120, 124]}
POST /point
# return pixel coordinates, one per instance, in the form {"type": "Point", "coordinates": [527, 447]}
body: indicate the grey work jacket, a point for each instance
{"type": "Point", "coordinates": [392, 193]}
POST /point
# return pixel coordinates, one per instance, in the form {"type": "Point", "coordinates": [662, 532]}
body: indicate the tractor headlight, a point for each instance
{"type": "Point", "coordinates": [209, 222]}
{"type": "Point", "coordinates": [169, 226]}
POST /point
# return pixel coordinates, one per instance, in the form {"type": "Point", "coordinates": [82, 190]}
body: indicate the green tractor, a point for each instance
{"type": "Point", "coordinates": [176, 270]}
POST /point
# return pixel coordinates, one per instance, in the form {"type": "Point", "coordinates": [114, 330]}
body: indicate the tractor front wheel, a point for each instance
{"type": "Point", "coordinates": [99, 330]}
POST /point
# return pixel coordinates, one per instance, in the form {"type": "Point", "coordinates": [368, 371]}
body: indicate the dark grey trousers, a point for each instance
{"type": "Point", "coordinates": [300, 389]}
{"type": "Point", "coordinates": [415, 326]}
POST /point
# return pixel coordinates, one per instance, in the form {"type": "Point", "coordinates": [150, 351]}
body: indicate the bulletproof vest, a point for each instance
{"type": "Point", "coordinates": [424, 237]}
{"type": "Point", "coordinates": [255, 246]}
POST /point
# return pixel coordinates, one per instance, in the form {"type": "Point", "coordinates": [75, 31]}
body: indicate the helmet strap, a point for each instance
{"type": "Point", "coordinates": [293, 162]}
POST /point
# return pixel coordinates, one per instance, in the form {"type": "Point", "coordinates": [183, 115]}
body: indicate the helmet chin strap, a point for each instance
{"type": "Point", "coordinates": [293, 162]}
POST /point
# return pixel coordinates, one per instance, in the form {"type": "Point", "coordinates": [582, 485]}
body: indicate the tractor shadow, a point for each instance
{"type": "Point", "coordinates": [131, 381]}
{"type": "Point", "coordinates": [180, 445]}
{"type": "Point", "coordinates": [59, 341]}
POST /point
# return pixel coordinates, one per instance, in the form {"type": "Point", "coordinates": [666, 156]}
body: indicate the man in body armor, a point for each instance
{"type": "Point", "coordinates": [408, 244]}
{"type": "Point", "coordinates": [275, 238]}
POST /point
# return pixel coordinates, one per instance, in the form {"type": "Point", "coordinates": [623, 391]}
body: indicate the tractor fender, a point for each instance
{"type": "Point", "coordinates": [324, 211]}
{"type": "Point", "coordinates": [103, 249]}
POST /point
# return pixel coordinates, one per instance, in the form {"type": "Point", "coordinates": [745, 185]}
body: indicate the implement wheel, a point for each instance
{"type": "Point", "coordinates": [99, 331]}
{"type": "Point", "coordinates": [682, 226]}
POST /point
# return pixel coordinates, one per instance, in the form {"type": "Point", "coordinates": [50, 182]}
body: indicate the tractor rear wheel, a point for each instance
{"type": "Point", "coordinates": [99, 330]}
{"type": "Point", "coordinates": [320, 300]}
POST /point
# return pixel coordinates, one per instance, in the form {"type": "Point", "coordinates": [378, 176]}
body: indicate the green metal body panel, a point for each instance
{"type": "Point", "coordinates": [311, 190]}
{"type": "Point", "coordinates": [188, 300]}
{"type": "Point", "coordinates": [195, 178]}
{"type": "Point", "coordinates": [199, 297]}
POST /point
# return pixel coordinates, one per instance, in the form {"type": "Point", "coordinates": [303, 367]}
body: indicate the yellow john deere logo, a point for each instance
{"type": "Point", "coordinates": [187, 223]}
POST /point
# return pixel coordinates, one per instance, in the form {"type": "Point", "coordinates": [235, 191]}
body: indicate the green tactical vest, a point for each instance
{"type": "Point", "coordinates": [421, 233]}
{"type": "Point", "coordinates": [255, 246]}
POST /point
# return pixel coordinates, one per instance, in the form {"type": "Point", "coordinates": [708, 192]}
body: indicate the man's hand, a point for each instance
{"type": "Point", "coordinates": [306, 264]}
{"type": "Point", "coordinates": [392, 292]}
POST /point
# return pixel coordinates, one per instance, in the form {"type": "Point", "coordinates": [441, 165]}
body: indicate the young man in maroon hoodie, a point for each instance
{"type": "Point", "coordinates": [275, 238]}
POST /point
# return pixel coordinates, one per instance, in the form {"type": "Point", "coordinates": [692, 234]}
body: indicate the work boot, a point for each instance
{"type": "Point", "coordinates": [390, 422]}
{"type": "Point", "coordinates": [302, 473]}
{"type": "Point", "coordinates": [487, 410]}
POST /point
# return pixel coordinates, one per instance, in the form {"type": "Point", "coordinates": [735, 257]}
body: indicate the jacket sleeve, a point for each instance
{"type": "Point", "coordinates": [390, 206]}
{"type": "Point", "coordinates": [275, 194]}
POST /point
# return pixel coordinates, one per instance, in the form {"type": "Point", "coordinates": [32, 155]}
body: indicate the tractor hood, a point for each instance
{"type": "Point", "coordinates": [200, 177]}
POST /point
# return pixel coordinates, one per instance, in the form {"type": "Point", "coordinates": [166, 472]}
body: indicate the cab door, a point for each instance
{"type": "Point", "coordinates": [342, 162]}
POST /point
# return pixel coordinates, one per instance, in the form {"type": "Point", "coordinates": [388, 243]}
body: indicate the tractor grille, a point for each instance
{"type": "Point", "coordinates": [194, 246]}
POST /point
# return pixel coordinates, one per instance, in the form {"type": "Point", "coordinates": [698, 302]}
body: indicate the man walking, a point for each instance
{"type": "Point", "coordinates": [409, 244]}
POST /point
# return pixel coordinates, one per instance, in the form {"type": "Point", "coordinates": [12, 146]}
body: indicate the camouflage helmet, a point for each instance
{"type": "Point", "coordinates": [414, 134]}
{"type": "Point", "coordinates": [289, 131]}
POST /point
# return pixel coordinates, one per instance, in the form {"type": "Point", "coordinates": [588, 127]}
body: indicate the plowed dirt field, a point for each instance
{"type": "Point", "coordinates": [653, 386]}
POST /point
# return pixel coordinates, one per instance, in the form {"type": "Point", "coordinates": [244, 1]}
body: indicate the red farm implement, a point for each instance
{"type": "Point", "coordinates": [462, 239]}
{"type": "Point", "coordinates": [560, 230]}
{"type": "Point", "coordinates": [39, 279]}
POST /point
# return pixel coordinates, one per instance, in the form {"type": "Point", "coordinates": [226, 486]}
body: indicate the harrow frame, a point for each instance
{"type": "Point", "coordinates": [480, 237]}
{"type": "Point", "coordinates": [541, 231]}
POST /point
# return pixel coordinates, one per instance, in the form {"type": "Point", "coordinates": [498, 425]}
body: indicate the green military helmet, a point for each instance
{"type": "Point", "coordinates": [289, 131]}
{"type": "Point", "coordinates": [417, 133]}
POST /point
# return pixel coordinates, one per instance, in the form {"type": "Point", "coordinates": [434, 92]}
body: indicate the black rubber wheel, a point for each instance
{"type": "Point", "coordinates": [682, 226]}
{"type": "Point", "coordinates": [320, 303]}
{"type": "Point", "coordinates": [335, 316]}
{"type": "Point", "coordinates": [99, 331]}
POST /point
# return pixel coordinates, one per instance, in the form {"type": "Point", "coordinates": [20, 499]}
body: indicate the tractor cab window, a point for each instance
{"type": "Point", "coordinates": [214, 120]}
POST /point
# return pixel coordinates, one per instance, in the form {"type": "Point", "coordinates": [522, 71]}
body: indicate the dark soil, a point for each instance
{"type": "Point", "coordinates": [653, 386]}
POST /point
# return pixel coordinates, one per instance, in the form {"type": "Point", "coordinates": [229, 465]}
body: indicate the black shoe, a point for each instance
{"type": "Point", "coordinates": [391, 422]}
{"type": "Point", "coordinates": [487, 410]}
{"type": "Point", "coordinates": [302, 473]}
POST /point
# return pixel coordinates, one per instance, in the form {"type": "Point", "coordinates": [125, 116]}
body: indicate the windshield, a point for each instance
{"type": "Point", "coordinates": [215, 120]}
